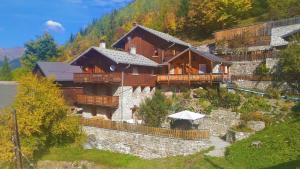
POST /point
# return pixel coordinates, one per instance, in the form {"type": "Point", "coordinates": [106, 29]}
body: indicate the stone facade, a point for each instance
{"type": "Point", "coordinates": [219, 121]}
{"type": "Point", "coordinates": [144, 146]}
{"type": "Point", "coordinates": [132, 96]}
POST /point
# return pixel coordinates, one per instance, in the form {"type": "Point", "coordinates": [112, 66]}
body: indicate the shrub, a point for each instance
{"type": "Point", "coordinates": [296, 110]}
{"type": "Point", "coordinates": [154, 110]}
{"type": "Point", "coordinates": [273, 93]}
{"type": "Point", "coordinates": [205, 106]}
{"type": "Point", "coordinates": [200, 93]}
{"type": "Point", "coordinates": [254, 104]}
{"type": "Point", "coordinates": [231, 100]}
{"type": "Point", "coordinates": [262, 70]}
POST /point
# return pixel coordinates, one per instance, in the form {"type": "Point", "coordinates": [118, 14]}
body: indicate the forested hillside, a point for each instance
{"type": "Point", "coordinates": [191, 20]}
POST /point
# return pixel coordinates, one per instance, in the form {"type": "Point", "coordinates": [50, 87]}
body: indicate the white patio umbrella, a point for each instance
{"type": "Point", "coordinates": [187, 115]}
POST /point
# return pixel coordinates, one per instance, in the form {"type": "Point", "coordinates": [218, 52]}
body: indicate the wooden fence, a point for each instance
{"type": "Point", "coordinates": [182, 134]}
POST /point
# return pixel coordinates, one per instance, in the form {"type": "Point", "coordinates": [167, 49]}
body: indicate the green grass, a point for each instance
{"type": "Point", "coordinates": [112, 160]}
{"type": "Point", "coordinates": [280, 148]}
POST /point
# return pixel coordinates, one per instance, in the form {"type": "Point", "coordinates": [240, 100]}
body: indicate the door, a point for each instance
{"type": "Point", "coordinates": [202, 68]}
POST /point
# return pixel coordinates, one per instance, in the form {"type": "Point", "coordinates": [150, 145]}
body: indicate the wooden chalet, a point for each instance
{"type": "Point", "coordinates": [115, 81]}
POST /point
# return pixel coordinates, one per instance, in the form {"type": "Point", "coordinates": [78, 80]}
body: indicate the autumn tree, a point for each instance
{"type": "Point", "coordinates": [43, 116]}
{"type": "Point", "coordinates": [209, 15]}
{"type": "Point", "coordinates": [5, 70]}
{"type": "Point", "coordinates": [43, 48]}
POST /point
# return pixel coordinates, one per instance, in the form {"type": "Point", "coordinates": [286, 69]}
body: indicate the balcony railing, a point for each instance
{"type": "Point", "coordinates": [97, 78]}
{"type": "Point", "coordinates": [106, 101]}
{"type": "Point", "coordinates": [116, 78]}
{"type": "Point", "coordinates": [200, 78]}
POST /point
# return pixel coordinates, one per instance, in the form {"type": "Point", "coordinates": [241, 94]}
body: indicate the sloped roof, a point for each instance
{"type": "Point", "coordinates": [121, 57]}
{"type": "Point", "coordinates": [59, 70]}
{"type": "Point", "coordinates": [161, 35]}
{"type": "Point", "coordinates": [204, 54]}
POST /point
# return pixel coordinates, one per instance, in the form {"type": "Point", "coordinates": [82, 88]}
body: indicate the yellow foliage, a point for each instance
{"type": "Point", "coordinates": [43, 118]}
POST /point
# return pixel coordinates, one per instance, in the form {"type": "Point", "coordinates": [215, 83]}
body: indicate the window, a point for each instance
{"type": "Point", "coordinates": [135, 71]}
{"type": "Point", "coordinates": [155, 54]}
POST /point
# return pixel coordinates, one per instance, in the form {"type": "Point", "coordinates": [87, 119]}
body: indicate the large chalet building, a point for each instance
{"type": "Point", "coordinates": [115, 81]}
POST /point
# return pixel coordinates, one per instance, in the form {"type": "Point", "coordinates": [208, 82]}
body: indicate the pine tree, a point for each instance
{"type": "Point", "coordinates": [5, 70]}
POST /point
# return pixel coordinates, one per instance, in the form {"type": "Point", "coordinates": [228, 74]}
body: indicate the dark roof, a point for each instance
{"type": "Point", "coordinates": [59, 70]}
{"type": "Point", "coordinates": [161, 35]}
{"type": "Point", "coordinates": [120, 57]}
{"type": "Point", "coordinates": [204, 54]}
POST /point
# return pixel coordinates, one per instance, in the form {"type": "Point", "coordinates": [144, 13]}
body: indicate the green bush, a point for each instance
{"type": "Point", "coordinates": [231, 100]}
{"type": "Point", "coordinates": [200, 93]}
{"type": "Point", "coordinates": [296, 110]}
{"type": "Point", "coordinates": [273, 93]}
{"type": "Point", "coordinates": [205, 106]}
{"type": "Point", "coordinates": [262, 70]}
{"type": "Point", "coordinates": [254, 104]}
{"type": "Point", "coordinates": [154, 110]}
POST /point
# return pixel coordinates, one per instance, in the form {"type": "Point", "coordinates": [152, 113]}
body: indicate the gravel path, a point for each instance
{"type": "Point", "coordinates": [220, 147]}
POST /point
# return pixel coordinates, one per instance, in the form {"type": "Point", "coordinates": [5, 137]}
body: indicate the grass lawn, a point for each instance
{"type": "Point", "coordinates": [280, 150]}
{"type": "Point", "coordinates": [115, 160]}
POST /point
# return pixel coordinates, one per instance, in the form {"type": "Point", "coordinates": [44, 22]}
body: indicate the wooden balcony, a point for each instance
{"type": "Point", "coordinates": [192, 79]}
{"type": "Point", "coordinates": [116, 78]}
{"type": "Point", "coordinates": [97, 78]}
{"type": "Point", "coordinates": [105, 101]}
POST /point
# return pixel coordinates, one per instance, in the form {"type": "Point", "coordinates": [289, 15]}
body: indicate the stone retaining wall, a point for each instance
{"type": "Point", "coordinates": [144, 146]}
{"type": "Point", "coordinates": [219, 121]}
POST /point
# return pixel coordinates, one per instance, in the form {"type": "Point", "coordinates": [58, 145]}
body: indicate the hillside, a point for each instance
{"type": "Point", "coordinates": [190, 20]}
{"type": "Point", "coordinates": [13, 54]}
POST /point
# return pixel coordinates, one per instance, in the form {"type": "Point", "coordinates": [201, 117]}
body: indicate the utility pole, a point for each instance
{"type": "Point", "coordinates": [16, 140]}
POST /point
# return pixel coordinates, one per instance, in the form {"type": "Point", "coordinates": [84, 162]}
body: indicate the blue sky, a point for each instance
{"type": "Point", "coordinates": [23, 20]}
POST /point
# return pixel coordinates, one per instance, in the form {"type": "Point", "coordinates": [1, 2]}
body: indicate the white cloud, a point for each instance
{"type": "Point", "coordinates": [54, 26]}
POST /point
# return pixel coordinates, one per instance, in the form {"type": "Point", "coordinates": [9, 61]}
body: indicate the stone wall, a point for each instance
{"type": "Point", "coordinates": [248, 67]}
{"type": "Point", "coordinates": [261, 85]}
{"type": "Point", "coordinates": [144, 146]}
{"type": "Point", "coordinates": [219, 121]}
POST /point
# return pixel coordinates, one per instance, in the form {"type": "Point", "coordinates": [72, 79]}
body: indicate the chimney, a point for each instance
{"type": "Point", "coordinates": [132, 51]}
{"type": "Point", "coordinates": [102, 45]}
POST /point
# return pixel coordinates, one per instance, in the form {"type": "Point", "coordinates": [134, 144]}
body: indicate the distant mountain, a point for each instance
{"type": "Point", "coordinates": [13, 54]}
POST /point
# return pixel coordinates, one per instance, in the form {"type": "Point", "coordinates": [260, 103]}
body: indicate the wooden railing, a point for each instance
{"type": "Point", "coordinates": [192, 78]}
{"type": "Point", "coordinates": [106, 101]}
{"type": "Point", "coordinates": [182, 134]}
{"type": "Point", "coordinates": [97, 78]}
{"type": "Point", "coordinates": [116, 78]}
{"type": "Point", "coordinates": [139, 80]}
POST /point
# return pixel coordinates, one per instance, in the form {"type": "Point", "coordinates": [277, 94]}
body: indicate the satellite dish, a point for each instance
{"type": "Point", "coordinates": [112, 68]}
